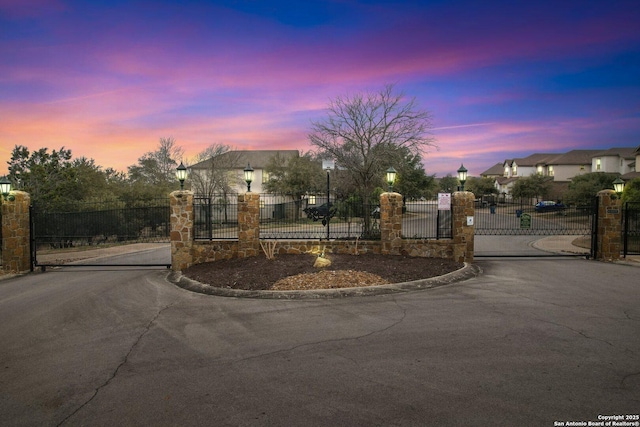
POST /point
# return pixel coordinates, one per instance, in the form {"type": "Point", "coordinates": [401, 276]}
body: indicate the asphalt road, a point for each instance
{"type": "Point", "coordinates": [528, 343]}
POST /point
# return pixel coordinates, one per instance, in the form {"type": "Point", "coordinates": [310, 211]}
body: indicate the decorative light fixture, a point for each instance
{"type": "Point", "coordinates": [391, 177]}
{"type": "Point", "coordinates": [462, 176]}
{"type": "Point", "coordinates": [5, 188]}
{"type": "Point", "coordinates": [248, 176]}
{"type": "Point", "coordinates": [181, 174]}
{"type": "Point", "coordinates": [327, 165]}
{"type": "Point", "coordinates": [618, 185]}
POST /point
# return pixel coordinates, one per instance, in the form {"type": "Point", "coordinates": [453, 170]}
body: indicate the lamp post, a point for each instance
{"type": "Point", "coordinates": [462, 176]}
{"type": "Point", "coordinates": [618, 185]}
{"type": "Point", "coordinates": [391, 177]}
{"type": "Point", "coordinates": [248, 176]}
{"type": "Point", "coordinates": [327, 165]}
{"type": "Point", "coordinates": [181, 174]}
{"type": "Point", "coordinates": [5, 188]}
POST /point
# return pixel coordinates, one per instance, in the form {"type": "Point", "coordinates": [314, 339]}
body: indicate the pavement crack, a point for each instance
{"type": "Point", "coordinates": [576, 331]}
{"type": "Point", "coordinates": [353, 338]}
{"type": "Point", "coordinates": [114, 374]}
{"type": "Point", "coordinates": [626, 377]}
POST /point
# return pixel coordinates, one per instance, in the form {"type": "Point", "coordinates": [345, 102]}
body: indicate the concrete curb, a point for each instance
{"type": "Point", "coordinates": [467, 272]}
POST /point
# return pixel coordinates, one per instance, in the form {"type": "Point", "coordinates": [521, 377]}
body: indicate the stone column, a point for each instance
{"type": "Point", "coordinates": [609, 227]}
{"type": "Point", "coordinates": [463, 208]}
{"type": "Point", "coordinates": [248, 225]}
{"type": "Point", "coordinates": [181, 203]}
{"type": "Point", "coordinates": [391, 223]}
{"type": "Point", "coordinates": [16, 233]}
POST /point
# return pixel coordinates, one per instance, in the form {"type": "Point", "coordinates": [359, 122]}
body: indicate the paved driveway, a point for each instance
{"type": "Point", "coordinates": [529, 342]}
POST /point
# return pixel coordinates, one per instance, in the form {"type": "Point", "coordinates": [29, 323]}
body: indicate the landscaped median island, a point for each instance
{"type": "Point", "coordinates": [297, 272]}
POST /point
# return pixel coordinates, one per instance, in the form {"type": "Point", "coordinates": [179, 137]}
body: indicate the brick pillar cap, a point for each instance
{"type": "Point", "coordinates": [606, 192]}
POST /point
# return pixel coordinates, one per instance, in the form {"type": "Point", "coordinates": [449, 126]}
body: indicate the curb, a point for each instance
{"type": "Point", "coordinates": [467, 272]}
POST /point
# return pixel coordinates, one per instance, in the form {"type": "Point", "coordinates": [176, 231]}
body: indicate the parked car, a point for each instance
{"type": "Point", "coordinates": [324, 211]}
{"type": "Point", "coordinates": [375, 213]}
{"type": "Point", "coordinates": [549, 206]}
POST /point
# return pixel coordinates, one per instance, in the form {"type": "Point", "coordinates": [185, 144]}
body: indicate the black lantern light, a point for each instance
{"type": "Point", "coordinates": [462, 176]}
{"type": "Point", "coordinates": [618, 185]}
{"type": "Point", "coordinates": [248, 176]}
{"type": "Point", "coordinates": [5, 189]}
{"type": "Point", "coordinates": [181, 174]}
{"type": "Point", "coordinates": [391, 177]}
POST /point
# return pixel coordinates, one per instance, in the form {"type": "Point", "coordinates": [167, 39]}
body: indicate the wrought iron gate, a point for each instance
{"type": "Point", "coordinates": [86, 226]}
{"type": "Point", "coordinates": [531, 217]}
{"type": "Point", "coordinates": [631, 228]}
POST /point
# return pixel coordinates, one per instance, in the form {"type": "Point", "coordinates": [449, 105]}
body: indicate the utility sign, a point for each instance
{"type": "Point", "coordinates": [444, 201]}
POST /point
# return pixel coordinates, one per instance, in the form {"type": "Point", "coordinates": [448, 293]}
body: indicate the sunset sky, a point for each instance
{"type": "Point", "coordinates": [502, 79]}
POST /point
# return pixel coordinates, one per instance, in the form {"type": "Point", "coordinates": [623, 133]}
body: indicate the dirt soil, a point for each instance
{"type": "Point", "coordinates": [296, 272]}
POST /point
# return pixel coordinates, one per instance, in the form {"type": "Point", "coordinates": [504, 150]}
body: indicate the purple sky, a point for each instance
{"type": "Point", "coordinates": [502, 79]}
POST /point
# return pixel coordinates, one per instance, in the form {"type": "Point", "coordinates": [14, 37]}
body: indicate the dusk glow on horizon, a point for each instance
{"type": "Point", "coordinates": [502, 79]}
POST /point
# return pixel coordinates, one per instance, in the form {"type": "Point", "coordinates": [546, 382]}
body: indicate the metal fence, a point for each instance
{"type": "Point", "coordinates": [312, 218]}
{"type": "Point", "coordinates": [215, 217]}
{"type": "Point", "coordinates": [631, 228]}
{"type": "Point", "coordinates": [423, 220]}
{"type": "Point", "coordinates": [528, 217]}
{"type": "Point", "coordinates": [95, 223]}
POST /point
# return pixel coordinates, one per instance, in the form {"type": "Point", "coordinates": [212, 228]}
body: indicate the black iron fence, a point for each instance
{"type": "Point", "coordinates": [631, 228]}
{"type": "Point", "coordinates": [215, 216]}
{"type": "Point", "coordinates": [313, 217]}
{"type": "Point", "coordinates": [504, 216]}
{"type": "Point", "coordinates": [423, 220]}
{"type": "Point", "coordinates": [95, 223]}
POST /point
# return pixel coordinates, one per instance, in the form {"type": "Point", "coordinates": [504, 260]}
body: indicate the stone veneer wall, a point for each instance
{"type": "Point", "coordinates": [188, 252]}
{"type": "Point", "coordinates": [463, 207]}
{"type": "Point", "coordinates": [609, 226]}
{"type": "Point", "coordinates": [181, 205]}
{"type": "Point", "coordinates": [16, 234]}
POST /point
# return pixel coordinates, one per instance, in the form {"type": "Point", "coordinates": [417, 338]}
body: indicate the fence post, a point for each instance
{"type": "Point", "coordinates": [181, 203]}
{"type": "Point", "coordinates": [391, 223]}
{"type": "Point", "coordinates": [609, 226]}
{"type": "Point", "coordinates": [248, 224]}
{"type": "Point", "coordinates": [463, 232]}
{"type": "Point", "coordinates": [16, 233]}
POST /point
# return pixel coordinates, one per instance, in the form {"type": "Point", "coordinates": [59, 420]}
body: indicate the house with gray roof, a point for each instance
{"type": "Point", "coordinates": [563, 167]}
{"type": "Point", "coordinates": [234, 162]}
{"type": "Point", "coordinates": [615, 160]}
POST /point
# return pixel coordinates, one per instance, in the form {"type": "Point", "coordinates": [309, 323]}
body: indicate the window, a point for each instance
{"type": "Point", "coordinates": [598, 164]}
{"type": "Point", "coordinates": [515, 169]}
{"type": "Point", "coordinates": [539, 170]}
{"type": "Point", "coordinates": [265, 176]}
{"type": "Point", "coordinates": [506, 171]}
{"type": "Point", "coordinates": [581, 168]}
{"type": "Point", "coordinates": [551, 172]}
{"type": "Point", "coordinates": [312, 199]}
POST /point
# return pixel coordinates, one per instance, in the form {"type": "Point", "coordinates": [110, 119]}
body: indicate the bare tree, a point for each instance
{"type": "Point", "coordinates": [158, 167]}
{"type": "Point", "coordinates": [214, 173]}
{"type": "Point", "coordinates": [364, 133]}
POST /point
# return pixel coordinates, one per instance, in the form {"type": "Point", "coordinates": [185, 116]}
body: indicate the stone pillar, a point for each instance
{"type": "Point", "coordinates": [609, 227]}
{"type": "Point", "coordinates": [248, 225]}
{"type": "Point", "coordinates": [16, 233]}
{"type": "Point", "coordinates": [181, 203]}
{"type": "Point", "coordinates": [391, 223]}
{"type": "Point", "coordinates": [463, 211]}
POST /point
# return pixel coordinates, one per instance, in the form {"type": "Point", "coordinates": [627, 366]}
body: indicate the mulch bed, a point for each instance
{"type": "Point", "coordinates": [296, 272]}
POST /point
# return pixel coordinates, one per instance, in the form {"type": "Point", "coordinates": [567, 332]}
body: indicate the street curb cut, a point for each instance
{"type": "Point", "coordinates": [467, 272]}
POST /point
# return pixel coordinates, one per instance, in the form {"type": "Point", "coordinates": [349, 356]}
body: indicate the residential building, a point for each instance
{"type": "Point", "coordinates": [563, 167]}
{"type": "Point", "coordinates": [236, 161]}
